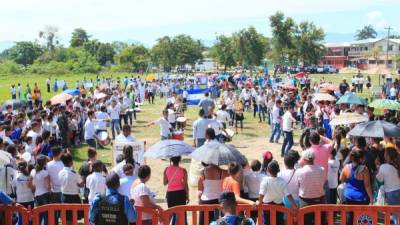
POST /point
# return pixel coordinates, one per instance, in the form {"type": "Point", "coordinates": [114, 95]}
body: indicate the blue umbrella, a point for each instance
{"type": "Point", "coordinates": [168, 149]}
{"type": "Point", "coordinates": [351, 99]}
{"type": "Point", "coordinates": [73, 92]}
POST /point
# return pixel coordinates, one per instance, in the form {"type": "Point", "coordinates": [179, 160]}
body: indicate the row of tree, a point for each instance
{"type": "Point", "coordinates": [290, 43]}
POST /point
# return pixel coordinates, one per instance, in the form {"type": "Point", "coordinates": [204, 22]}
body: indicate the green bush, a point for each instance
{"type": "Point", "coordinates": [52, 67]}
{"type": "Point", "coordinates": [11, 67]}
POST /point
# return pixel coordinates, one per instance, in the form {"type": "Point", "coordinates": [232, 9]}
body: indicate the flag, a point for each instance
{"type": "Point", "coordinates": [195, 95]}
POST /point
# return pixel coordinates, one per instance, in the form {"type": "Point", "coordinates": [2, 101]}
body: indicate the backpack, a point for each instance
{"type": "Point", "coordinates": [238, 221]}
{"type": "Point", "coordinates": [41, 149]}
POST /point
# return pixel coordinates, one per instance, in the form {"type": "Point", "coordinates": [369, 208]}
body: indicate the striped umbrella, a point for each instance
{"type": "Point", "coordinates": [385, 104]}
{"type": "Point", "coordinates": [348, 118]}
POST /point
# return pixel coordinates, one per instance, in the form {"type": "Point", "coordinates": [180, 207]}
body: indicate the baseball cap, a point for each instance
{"type": "Point", "coordinates": [267, 155]}
{"type": "Point", "coordinates": [307, 155]}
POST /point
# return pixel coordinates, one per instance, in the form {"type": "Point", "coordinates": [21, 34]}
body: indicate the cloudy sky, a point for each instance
{"type": "Point", "coordinates": [146, 20]}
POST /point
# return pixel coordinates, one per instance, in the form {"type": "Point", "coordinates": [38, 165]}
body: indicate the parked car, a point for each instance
{"type": "Point", "coordinates": [327, 69]}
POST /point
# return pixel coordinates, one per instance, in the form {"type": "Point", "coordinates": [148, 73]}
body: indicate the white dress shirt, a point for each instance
{"type": "Point", "coordinates": [54, 168]}
{"type": "Point", "coordinates": [96, 183]}
{"type": "Point", "coordinates": [69, 181]}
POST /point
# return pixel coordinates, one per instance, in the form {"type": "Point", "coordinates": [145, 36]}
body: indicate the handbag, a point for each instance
{"type": "Point", "coordinates": [340, 191]}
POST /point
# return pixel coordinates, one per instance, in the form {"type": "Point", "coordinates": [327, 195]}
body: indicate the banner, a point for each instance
{"type": "Point", "coordinates": [138, 151]}
{"type": "Point", "coordinates": [195, 95]}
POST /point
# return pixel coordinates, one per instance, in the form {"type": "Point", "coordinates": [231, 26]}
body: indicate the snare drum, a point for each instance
{"type": "Point", "coordinates": [102, 137]}
{"type": "Point", "coordinates": [178, 136]}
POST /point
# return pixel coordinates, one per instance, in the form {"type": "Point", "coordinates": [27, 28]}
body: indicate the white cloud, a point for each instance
{"type": "Point", "coordinates": [376, 19]}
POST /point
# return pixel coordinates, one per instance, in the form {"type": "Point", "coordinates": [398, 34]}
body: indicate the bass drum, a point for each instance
{"type": "Point", "coordinates": [103, 138]}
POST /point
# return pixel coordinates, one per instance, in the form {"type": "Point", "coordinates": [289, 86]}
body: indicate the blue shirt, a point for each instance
{"type": "Point", "coordinates": [231, 220]}
{"type": "Point", "coordinates": [112, 197]}
{"type": "Point", "coordinates": [5, 199]}
{"type": "Point", "coordinates": [16, 134]}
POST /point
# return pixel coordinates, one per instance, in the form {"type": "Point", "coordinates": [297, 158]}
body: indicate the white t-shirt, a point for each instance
{"type": "Point", "coordinates": [287, 121]}
{"type": "Point", "coordinates": [223, 116]}
{"type": "Point", "coordinates": [114, 112]}
{"type": "Point", "coordinates": [5, 185]}
{"type": "Point", "coordinates": [24, 193]}
{"type": "Point", "coordinates": [96, 183]}
{"type": "Point", "coordinates": [274, 189]}
{"type": "Point", "coordinates": [216, 126]}
{"type": "Point", "coordinates": [142, 190]}
{"type": "Point", "coordinates": [54, 168]}
{"type": "Point", "coordinates": [275, 115]}
{"type": "Point", "coordinates": [39, 181]}
{"type": "Point", "coordinates": [90, 129]}
{"type": "Point", "coordinates": [171, 116]}
{"type": "Point", "coordinates": [101, 124]}
{"type": "Point", "coordinates": [333, 170]}
{"type": "Point", "coordinates": [34, 136]}
{"type": "Point", "coordinates": [164, 126]}
{"type": "Point", "coordinates": [289, 176]}
{"type": "Point", "coordinates": [389, 176]}
{"type": "Point", "coordinates": [393, 92]}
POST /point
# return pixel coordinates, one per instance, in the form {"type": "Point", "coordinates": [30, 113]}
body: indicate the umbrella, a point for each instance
{"type": "Point", "coordinates": [222, 77]}
{"type": "Point", "coordinates": [376, 128]}
{"type": "Point", "coordinates": [329, 87]}
{"type": "Point", "coordinates": [100, 95]}
{"type": "Point", "coordinates": [287, 86]}
{"type": "Point", "coordinates": [60, 98]}
{"type": "Point", "coordinates": [300, 74]}
{"type": "Point", "coordinates": [218, 154]}
{"type": "Point", "coordinates": [213, 76]}
{"type": "Point", "coordinates": [4, 158]}
{"type": "Point", "coordinates": [236, 76]}
{"type": "Point", "coordinates": [348, 118]}
{"type": "Point", "coordinates": [324, 97]}
{"type": "Point", "coordinates": [73, 92]}
{"type": "Point", "coordinates": [150, 77]}
{"type": "Point", "coordinates": [351, 99]}
{"type": "Point", "coordinates": [16, 104]}
{"type": "Point", "coordinates": [385, 104]}
{"type": "Point", "coordinates": [168, 149]}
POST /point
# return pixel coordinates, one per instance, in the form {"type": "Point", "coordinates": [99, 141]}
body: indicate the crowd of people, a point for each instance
{"type": "Point", "coordinates": [332, 167]}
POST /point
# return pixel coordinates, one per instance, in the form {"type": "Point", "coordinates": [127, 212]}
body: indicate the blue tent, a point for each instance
{"type": "Point", "coordinates": [73, 92]}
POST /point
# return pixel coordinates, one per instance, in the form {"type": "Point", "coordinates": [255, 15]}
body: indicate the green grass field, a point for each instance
{"type": "Point", "coordinates": [253, 129]}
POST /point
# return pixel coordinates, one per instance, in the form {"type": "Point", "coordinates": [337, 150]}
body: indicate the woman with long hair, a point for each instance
{"type": "Point", "coordinates": [127, 154]}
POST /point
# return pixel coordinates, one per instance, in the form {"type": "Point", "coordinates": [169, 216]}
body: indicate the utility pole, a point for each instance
{"type": "Point", "coordinates": [387, 46]}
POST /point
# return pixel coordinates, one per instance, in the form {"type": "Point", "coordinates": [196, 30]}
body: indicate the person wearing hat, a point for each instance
{"type": "Point", "coordinates": [267, 158]}
{"type": "Point", "coordinates": [310, 179]}
{"type": "Point", "coordinates": [273, 190]}
{"type": "Point", "coordinates": [228, 204]}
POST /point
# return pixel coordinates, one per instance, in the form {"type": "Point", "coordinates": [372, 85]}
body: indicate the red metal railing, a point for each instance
{"type": "Point", "coordinates": [361, 214]}
{"type": "Point", "coordinates": [331, 214]}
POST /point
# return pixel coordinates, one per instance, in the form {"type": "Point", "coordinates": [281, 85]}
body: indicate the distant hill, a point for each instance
{"type": "Point", "coordinates": [5, 45]}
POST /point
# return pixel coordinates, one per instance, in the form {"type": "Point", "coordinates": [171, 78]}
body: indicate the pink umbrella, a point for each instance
{"type": "Point", "coordinates": [329, 87]}
{"type": "Point", "coordinates": [213, 76]}
{"type": "Point", "coordinates": [60, 98]}
{"type": "Point", "coordinates": [287, 86]}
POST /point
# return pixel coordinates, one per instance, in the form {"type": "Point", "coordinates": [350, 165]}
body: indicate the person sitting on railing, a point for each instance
{"type": "Point", "coordinates": [112, 209]}
{"type": "Point", "coordinates": [228, 205]}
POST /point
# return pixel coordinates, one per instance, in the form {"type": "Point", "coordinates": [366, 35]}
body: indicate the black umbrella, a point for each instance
{"type": "Point", "coordinates": [218, 154]}
{"type": "Point", "coordinates": [377, 128]}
